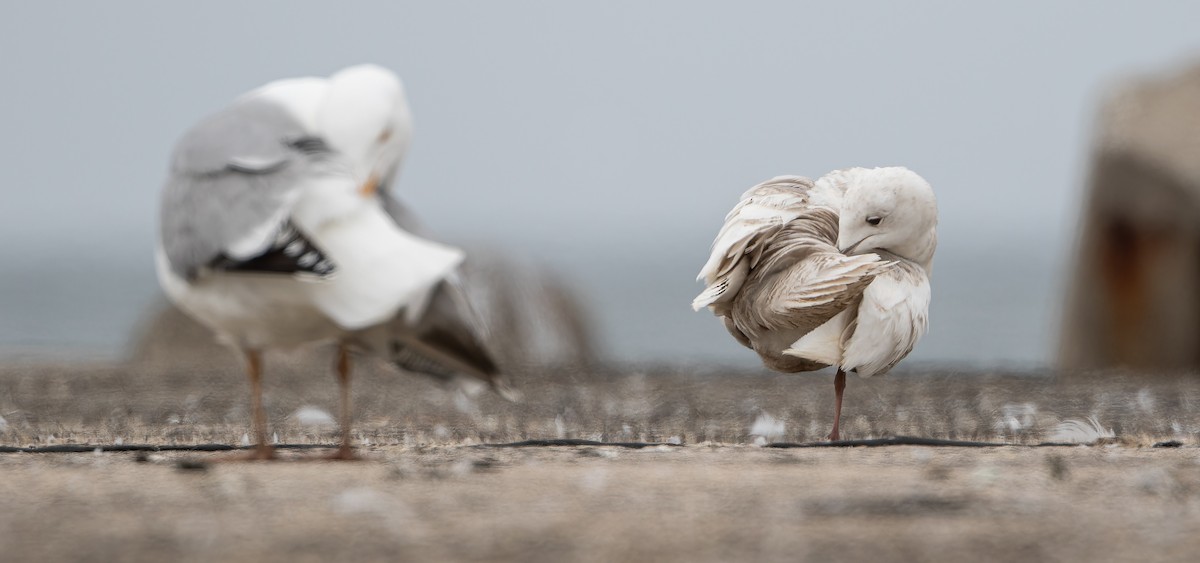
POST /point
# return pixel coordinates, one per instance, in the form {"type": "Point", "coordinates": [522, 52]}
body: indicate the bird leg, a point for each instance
{"type": "Point", "coordinates": [342, 366]}
{"type": "Point", "coordinates": [839, 385]}
{"type": "Point", "coordinates": [262, 450]}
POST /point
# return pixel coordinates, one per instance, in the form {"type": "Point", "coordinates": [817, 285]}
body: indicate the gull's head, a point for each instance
{"type": "Point", "coordinates": [890, 209]}
{"type": "Point", "coordinates": [365, 116]}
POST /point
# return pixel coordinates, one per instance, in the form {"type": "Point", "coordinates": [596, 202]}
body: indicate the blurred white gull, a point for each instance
{"type": "Point", "coordinates": [276, 231]}
{"type": "Point", "coordinates": [827, 273]}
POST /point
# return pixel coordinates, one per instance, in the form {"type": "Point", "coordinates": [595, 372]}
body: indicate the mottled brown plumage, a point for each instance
{"type": "Point", "coordinates": [827, 273]}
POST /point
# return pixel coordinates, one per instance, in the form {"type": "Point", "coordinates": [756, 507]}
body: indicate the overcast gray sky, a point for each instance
{"type": "Point", "coordinates": [606, 140]}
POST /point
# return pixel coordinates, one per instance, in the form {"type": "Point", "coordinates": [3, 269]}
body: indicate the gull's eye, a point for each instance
{"type": "Point", "coordinates": [385, 135]}
{"type": "Point", "coordinates": [874, 220]}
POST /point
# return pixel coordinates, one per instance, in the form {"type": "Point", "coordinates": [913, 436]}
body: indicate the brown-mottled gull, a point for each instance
{"type": "Point", "coordinates": [827, 273]}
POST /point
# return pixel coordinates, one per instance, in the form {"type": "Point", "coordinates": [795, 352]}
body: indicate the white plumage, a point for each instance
{"type": "Point", "coordinates": [362, 111]}
{"type": "Point", "coordinates": [827, 273]}
{"type": "Point", "coordinates": [277, 231]}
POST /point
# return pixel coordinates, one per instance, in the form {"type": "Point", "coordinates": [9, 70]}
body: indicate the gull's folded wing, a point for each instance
{"type": "Point", "coordinates": [775, 271]}
{"type": "Point", "coordinates": [233, 180]}
{"type": "Point", "coordinates": [788, 213]}
{"type": "Point", "coordinates": [445, 340]}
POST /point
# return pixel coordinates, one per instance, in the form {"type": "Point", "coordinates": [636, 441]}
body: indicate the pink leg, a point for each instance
{"type": "Point", "coordinates": [342, 365]}
{"type": "Point", "coordinates": [839, 385]}
{"type": "Point", "coordinates": [262, 450]}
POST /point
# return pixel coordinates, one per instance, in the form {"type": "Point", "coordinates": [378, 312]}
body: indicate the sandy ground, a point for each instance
{"type": "Point", "coordinates": [430, 491]}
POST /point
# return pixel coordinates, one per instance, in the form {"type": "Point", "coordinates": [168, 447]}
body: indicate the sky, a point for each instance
{"type": "Point", "coordinates": [604, 141]}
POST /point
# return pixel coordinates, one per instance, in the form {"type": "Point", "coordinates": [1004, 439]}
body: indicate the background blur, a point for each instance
{"type": "Point", "coordinates": [602, 141]}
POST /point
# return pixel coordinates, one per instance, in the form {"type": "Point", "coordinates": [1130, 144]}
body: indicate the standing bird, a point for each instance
{"type": "Point", "coordinates": [275, 233]}
{"type": "Point", "coordinates": [827, 273]}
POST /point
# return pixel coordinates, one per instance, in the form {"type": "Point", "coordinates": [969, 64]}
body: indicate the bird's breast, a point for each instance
{"type": "Point", "coordinates": [892, 318]}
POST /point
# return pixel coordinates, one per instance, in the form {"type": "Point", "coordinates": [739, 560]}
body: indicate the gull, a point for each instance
{"type": "Point", "coordinates": [276, 230]}
{"type": "Point", "coordinates": [827, 273]}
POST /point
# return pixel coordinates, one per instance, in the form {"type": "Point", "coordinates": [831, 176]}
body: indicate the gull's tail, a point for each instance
{"type": "Point", "coordinates": [446, 341]}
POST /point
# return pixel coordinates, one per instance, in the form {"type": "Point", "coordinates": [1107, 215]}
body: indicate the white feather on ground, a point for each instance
{"type": "Point", "coordinates": [767, 429]}
{"type": "Point", "coordinates": [1075, 431]}
{"type": "Point", "coordinates": [309, 415]}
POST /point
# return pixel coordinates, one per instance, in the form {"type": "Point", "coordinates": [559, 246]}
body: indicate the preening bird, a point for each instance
{"type": "Point", "coordinates": [276, 230]}
{"type": "Point", "coordinates": [827, 273]}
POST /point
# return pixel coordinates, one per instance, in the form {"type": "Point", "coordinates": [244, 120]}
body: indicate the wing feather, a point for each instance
{"type": "Point", "coordinates": [811, 292]}
{"type": "Point", "coordinates": [233, 179]}
{"type": "Point", "coordinates": [446, 340]}
{"type": "Point", "coordinates": [754, 224]}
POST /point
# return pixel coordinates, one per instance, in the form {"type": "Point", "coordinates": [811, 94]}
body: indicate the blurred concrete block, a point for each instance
{"type": "Point", "coordinates": [1134, 300]}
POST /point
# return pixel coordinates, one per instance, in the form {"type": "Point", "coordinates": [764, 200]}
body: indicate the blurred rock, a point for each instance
{"type": "Point", "coordinates": [533, 320]}
{"type": "Point", "coordinates": [1134, 300]}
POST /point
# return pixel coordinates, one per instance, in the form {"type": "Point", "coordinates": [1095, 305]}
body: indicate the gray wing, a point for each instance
{"type": "Point", "coordinates": [232, 181]}
{"type": "Point", "coordinates": [449, 338]}
{"type": "Point", "coordinates": [447, 341]}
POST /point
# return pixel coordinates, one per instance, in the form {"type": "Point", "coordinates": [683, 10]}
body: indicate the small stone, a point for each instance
{"type": "Point", "coordinates": [1057, 467]}
{"type": "Point", "coordinates": [192, 465]}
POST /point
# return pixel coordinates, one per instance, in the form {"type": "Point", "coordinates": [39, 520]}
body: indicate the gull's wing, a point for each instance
{"type": "Point", "coordinates": [234, 178]}
{"type": "Point", "coordinates": [775, 266]}
{"type": "Point", "coordinates": [789, 213]}
{"type": "Point", "coordinates": [810, 292]}
{"type": "Point", "coordinates": [445, 341]}
{"type": "Point", "coordinates": [802, 280]}
{"type": "Point", "coordinates": [753, 222]}
{"type": "Point", "coordinates": [447, 337]}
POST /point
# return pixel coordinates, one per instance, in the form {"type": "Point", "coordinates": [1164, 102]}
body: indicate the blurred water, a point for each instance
{"type": "Point", "coordinates": [991, 307]}
{"type": "Point", "coordinates": [76, 307]}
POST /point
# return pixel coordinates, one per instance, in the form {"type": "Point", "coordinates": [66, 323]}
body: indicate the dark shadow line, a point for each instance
{"type": "Point", "coordinates": [915, 441]}
{"type": "Point", "coordinates": [869, 443]}
{"type": "Point", "coordinates": [574, 442]}
{"type": "Point", "coordinates": [84, 448]}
